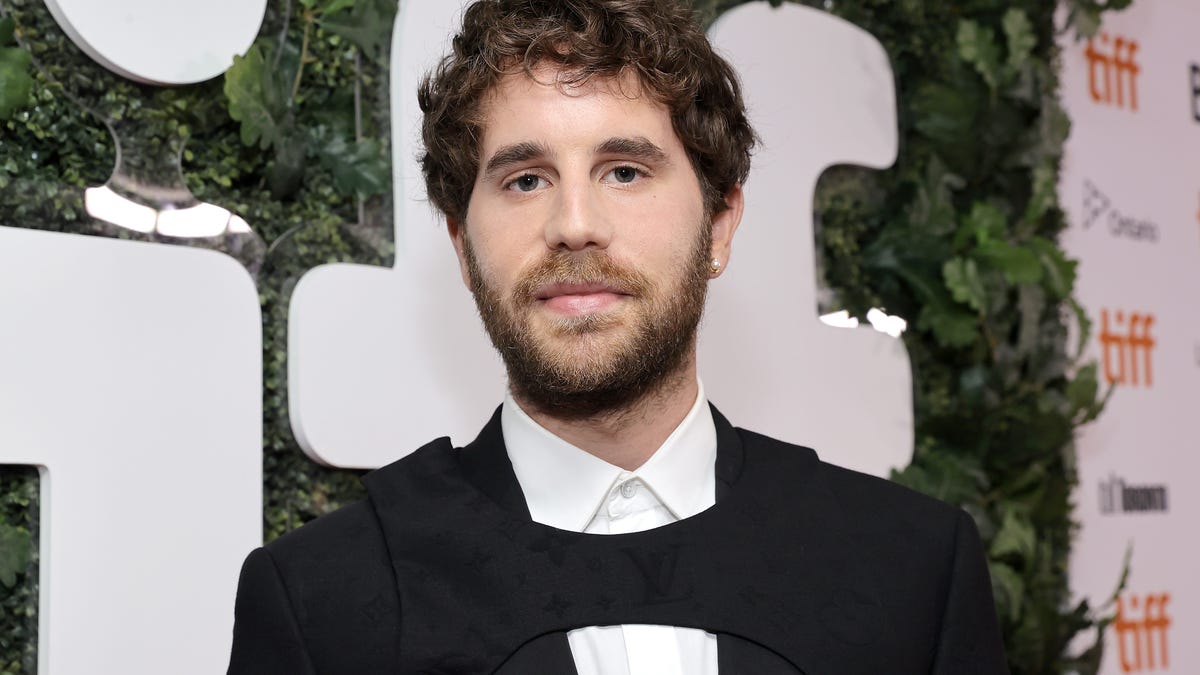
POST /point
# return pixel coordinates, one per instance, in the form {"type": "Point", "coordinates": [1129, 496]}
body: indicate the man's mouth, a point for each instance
{"type": "Point", "coordinates": [579, 299]}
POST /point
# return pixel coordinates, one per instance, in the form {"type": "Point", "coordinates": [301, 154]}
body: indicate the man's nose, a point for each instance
{"type": "Point", "coordinates": [578, 220]}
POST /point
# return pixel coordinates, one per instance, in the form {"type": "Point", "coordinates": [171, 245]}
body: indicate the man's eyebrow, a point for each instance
{"type": "Point", "coordinates": [637, 147]}
{"type": "Point", "coordinates": [508, 155]}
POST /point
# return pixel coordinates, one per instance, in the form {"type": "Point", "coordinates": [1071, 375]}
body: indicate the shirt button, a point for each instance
{"type": "Point", "coordinates": [629, 489]}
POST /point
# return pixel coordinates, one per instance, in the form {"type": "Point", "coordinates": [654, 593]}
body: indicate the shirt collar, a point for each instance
{"type": "Point", "coordinates": [564, 485]}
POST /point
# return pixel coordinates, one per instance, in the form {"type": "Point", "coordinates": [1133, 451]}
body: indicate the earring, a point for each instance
{"type": "Point", "coordinates": [716, 266]}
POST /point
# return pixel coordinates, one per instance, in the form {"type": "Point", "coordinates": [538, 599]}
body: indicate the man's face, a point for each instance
{"type": "Point", "coordinates": [586, 243]}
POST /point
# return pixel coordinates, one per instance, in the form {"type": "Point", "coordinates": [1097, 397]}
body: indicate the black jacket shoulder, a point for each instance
{"type": "Point", "coordinates": [917, 546]}
{"type": "Point", "coordinates": [329, 582]}
{"type": "Point", "coordinates": [859, 496]}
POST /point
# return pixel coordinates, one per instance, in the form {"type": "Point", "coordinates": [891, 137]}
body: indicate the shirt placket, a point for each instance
{"type": "Point", "coordinates": [650, 650]}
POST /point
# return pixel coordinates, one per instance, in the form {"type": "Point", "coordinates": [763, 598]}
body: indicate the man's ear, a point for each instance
{"type": "Point", "coordinates": [458, 238]}
{"type": "Point", "coordinates": [725, 223]}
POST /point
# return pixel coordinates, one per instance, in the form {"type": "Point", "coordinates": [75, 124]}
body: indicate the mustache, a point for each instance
{"type": "Point", "coordinates": [568, 267]}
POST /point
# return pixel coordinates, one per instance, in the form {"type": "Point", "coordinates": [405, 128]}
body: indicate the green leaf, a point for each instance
{"type": "Point", "coordinates": [951, 327]}
{"type": "Point", "coordinates": [977, 46]}
{"type": "Point", "coordinates": [1083, 325]}
{"type": "Point", "coordinates": [886, 254]}
{"type": "Point", "coordinates": [258, 97]}
{"type": "Point", "coordinates": [1021, 39]}
{"type": "Point", "coordinates": [358, 167]}
{"type": "Point", "coordinates": [368, 25]}
{"type": "Point", "coordinates": [7, 30]}
{"type": "Point", "coordinates": [1031, 479]}
{"type": "Point", "coordinates": [1016, 536]}
{"type": "Point", "coordinates": [973, 384]}
{"type": "Point", "coordinates": [16, 83]}
{"type": "Point", "coordinates": [1018, 265]}
{"type": "Point", "coordinates": [1085, 19]}
{"type": "Point", "coordinates": [1009, 590]}
{"type": "Point", "coordinates": [985, 222]}
{"type": "Point", "coordinates": [1053, 128]}
{"type": "Point", "coordinates": [1083, 389]}
{"type": "Point", "coordinates": [944, 114]}
{"type": "Point", "coordinates": [932, 207]}
{"type": "Point", "coordinates": [15, 546]}
{"type": "Point", "coordinates": [952, 478]}
{"type": "Point", "coordinates": [962, 279]}
{"type": "Point", "coordinates": [1059, 270]}
{"type": "Point", "coordinates": [1123, 581]}
{"type": "Point", "coordinates": [335, 6]}
{"type": "Point", "coordinates": [1031, 301]}
{"type": "Point", "coordinates": [287, 171]}
{"type": "Point", "coordinates": [1045, 192]}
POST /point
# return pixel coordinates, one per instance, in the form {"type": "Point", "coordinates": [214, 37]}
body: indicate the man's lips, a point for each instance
{"type": "Point", "coordinates": [555, 290]}
{"type": "Point", "coordinates": [579, 299]}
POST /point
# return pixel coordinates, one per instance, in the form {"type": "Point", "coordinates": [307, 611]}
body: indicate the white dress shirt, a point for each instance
{"type": "Point", "coordinates": [570, 489]}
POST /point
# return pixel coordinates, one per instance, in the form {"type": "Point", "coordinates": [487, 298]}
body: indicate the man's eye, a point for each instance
{"type": "Point", "coordinates": [526, 183]}
{"type": "Point", "coordinates": [624, 174]}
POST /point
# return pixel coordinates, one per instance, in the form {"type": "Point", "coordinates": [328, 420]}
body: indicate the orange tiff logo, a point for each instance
{"type": "Point", "coordinates": [1124, 345]}
{"type": "Point", "coordinates": [1141, 625]}
{"type": "Point", "coordinates": [1113, 71]}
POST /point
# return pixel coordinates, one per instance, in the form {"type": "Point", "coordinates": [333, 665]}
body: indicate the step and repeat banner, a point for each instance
{"type": "Point", "coordinates": [175, 338]}
{"type": "Point", "coordinates": [1130, 186]}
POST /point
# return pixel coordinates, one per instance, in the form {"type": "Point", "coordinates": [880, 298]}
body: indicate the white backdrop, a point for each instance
{"type": "Point", "coordinates": [1131, 188]}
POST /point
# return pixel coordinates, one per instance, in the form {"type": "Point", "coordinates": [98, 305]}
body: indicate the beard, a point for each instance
{"type": "Point", "coordinates": [594, 365]}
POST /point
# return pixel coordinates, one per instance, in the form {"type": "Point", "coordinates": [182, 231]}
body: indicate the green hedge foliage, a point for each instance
{"type": "Point", "coordinates": [959, 238]}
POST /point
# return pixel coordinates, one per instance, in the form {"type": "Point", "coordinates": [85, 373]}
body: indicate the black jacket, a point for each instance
{"type": "Point", "coordinates": [800, 567]}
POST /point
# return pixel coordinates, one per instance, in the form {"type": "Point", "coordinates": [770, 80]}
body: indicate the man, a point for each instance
{"type": "Point", "coordinates": [588, 156]}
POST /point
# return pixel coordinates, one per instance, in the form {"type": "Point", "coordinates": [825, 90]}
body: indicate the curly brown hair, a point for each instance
{"type": "Point", "coordinates": [658, 40]}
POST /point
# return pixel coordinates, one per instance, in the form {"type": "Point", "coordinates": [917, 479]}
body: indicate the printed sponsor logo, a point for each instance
{"type": "Point", "coordinates": [1113, 71]}
{"type": "Point", "coordinates": [1196, 91]}
{"type": "Point", "coordinates": [1141, 628]}
{"type": "Point", "coordinates": [1127, 347]}
{"type": "Point", "coordinates": [1118, 497]}
{"type": "Point", "coordinates": [1098, 208]}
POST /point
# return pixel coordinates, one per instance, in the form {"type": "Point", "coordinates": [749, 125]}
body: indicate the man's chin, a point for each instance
{"type": "Point", "coordinates": [568, 358]}
{"type": "Point", "coordinates": [548, 325]}
{"type": "Point", "coordinates": [579, 333]}
{"type": "Point", "coordinates": [595, 373]}
{"type": "Point", "coordinates": [571, 395]}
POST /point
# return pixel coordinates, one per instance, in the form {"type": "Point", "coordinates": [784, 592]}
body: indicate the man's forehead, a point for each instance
{"type": "Point", "coordinates": [524, 101]}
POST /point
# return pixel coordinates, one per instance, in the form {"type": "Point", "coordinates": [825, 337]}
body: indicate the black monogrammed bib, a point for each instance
{"type": "Point", "coordinates": [771, 568]}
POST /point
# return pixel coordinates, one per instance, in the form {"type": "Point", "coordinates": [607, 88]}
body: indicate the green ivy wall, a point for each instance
{"type": "Point", "coordinates": [959, 238]}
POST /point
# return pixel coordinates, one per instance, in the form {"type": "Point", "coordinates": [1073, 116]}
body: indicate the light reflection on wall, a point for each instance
{"type": "Point", "coordinates": [884, 323]}
{"type": "Point", "coordinates": [840, 319]}
{"type": "Point", "coordinates": [879, 320]}
{"type": "Point", "coordinates": [199, 221]}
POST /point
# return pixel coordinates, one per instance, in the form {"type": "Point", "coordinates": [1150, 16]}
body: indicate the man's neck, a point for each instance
{"type": "Point", "coordinates": [629, 436]}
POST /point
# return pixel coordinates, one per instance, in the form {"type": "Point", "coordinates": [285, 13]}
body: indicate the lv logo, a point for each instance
{"type": "Point", "coordinates": [659, 574]}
